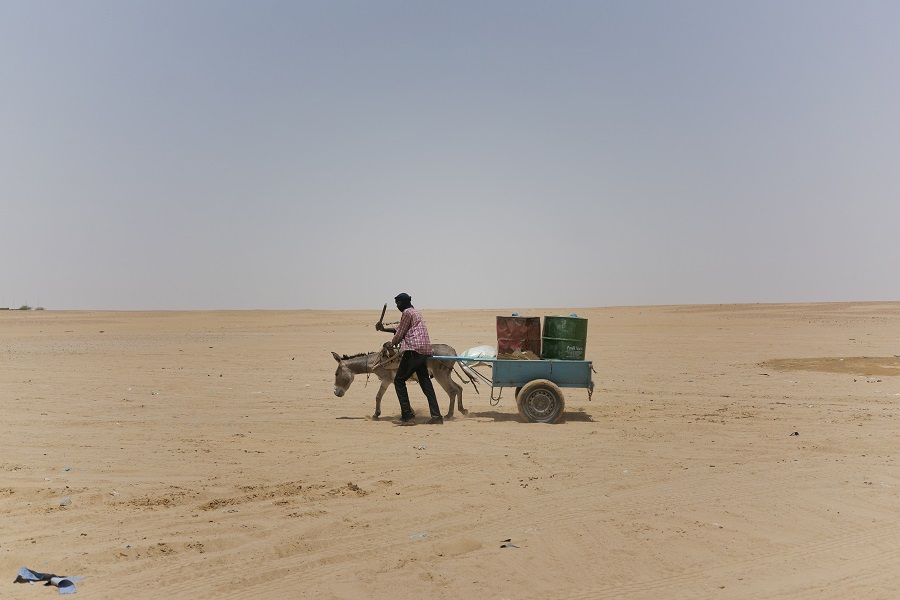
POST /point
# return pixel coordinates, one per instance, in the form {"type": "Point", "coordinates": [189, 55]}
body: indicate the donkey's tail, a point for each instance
{"type": "Point", "coordinates": [469, 376]}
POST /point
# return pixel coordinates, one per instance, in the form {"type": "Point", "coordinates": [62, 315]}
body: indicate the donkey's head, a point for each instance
{"type": "Point", "coordinates": [343, 376]}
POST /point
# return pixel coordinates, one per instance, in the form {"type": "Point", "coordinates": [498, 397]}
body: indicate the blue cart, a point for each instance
{"type": "Point", "coordinates": [537, 382]}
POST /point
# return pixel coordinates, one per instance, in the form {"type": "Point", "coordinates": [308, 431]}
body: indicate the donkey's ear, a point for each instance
{"type": "Point", "coordinates": [336, 357]}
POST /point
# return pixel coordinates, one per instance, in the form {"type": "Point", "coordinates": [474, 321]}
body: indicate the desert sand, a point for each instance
{"type": "Point", "coordinates": [733, 451]}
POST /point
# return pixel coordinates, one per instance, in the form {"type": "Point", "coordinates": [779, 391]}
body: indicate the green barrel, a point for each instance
{"type": "Point", "coordinates": [564, 338]}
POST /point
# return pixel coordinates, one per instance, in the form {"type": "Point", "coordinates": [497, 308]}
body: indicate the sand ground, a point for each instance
{"type": "Point", "coordinates": [745, 451]}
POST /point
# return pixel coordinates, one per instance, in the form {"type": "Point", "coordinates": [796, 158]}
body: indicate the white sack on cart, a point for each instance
{"type": "Point", "coordinates": [480, 352]}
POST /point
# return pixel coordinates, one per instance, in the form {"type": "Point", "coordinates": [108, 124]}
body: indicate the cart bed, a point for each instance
{"type": "Point", "coordinates": [516, 373]}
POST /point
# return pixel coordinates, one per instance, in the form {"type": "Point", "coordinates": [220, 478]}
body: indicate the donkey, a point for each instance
{"type": "Point", "coordinates": [372, 362]}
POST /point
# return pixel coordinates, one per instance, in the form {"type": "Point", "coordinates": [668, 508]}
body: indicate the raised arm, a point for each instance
{"type": "Point", "coordinates": [379, 326]}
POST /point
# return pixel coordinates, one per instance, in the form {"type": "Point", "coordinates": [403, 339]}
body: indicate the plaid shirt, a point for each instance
{"type": "Point", "coordinates": [413, 333]}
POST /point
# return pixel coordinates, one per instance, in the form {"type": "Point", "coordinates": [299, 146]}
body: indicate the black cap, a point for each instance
{"type": "Point", "coordinates": [403, 297]}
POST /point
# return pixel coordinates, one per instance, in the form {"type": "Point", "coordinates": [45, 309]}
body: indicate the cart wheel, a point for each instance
{"type": "Point", "coordinates": [540, 401]}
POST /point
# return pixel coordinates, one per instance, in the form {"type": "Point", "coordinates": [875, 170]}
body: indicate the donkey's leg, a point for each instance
{"type": "Point", "coordinates": [459, 391]}
{"type": "Point", "coordinates": [381, 390]}
{"type": "Point", "coordinates": [453, 389]}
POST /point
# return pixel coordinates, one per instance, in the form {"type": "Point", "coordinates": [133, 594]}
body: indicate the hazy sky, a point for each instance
{"type": "Point", "coordinates": [191, 154]}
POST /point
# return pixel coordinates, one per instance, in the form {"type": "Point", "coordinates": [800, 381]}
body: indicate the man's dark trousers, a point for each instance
{"type": "Point", "coordinates": [413, 362]}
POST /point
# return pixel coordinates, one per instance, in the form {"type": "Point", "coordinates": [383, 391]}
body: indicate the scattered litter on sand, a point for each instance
{"type": "Point", "coordinates": [65, 584]}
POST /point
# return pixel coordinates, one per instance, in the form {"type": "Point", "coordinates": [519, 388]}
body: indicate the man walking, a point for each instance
{"type": "Point", "coordinates": [415, 348]}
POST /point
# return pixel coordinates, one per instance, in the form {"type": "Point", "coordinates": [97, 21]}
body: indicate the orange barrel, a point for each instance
{"type": "Point", "coordinates": [519, 337]}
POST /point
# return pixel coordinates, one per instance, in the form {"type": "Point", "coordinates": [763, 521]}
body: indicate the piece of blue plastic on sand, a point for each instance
{"type": "Point", "coordinates": [29, 575]}
{"type": "Point", "coordinates": [65, 585]}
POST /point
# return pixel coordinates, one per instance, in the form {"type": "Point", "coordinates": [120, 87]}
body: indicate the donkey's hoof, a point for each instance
{"type": "Point", "coordinates": [375, 416]}
{"type": "Point", "coordinates": [464, 411]}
